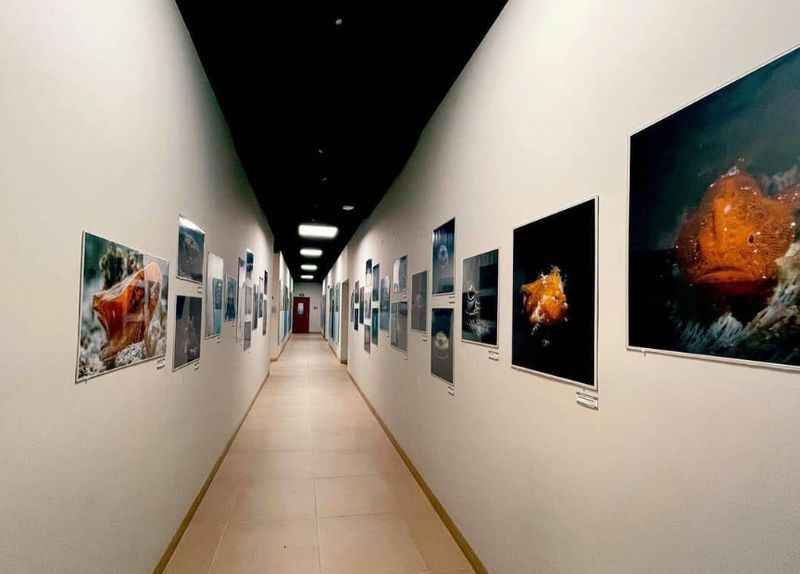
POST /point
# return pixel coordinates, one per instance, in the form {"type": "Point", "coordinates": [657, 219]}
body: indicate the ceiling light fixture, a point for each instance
{"type": "Point", "coordinates": [317, 231]}
{"type": "Point", "coordinates": [348, 207]}
{"type": "Point", "coordinates": [310, 252]}
{"type": "Point", "coordinates": [306, 277]}
{"type": "Point", "coordinates": [308, 267]}
{"type": "Point", "coordinates": [338, 21]}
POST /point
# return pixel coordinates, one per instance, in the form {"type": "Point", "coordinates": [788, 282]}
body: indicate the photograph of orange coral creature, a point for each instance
{"type": "Point", "coordinates": [554, 328]}
{"type": "Point", "coordinates": [123, 307]}
{"type": "Point", "coordinates": [714, 261]}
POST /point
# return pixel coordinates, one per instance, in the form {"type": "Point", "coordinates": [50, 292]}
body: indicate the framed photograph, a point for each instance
{"type": "Point", "coordinates": [479, 299]}
{"type": "Point", "coordinates": [191, 247]}
{"type": "Point", "coordinates": [376, 277]}
{"type": "Point", "coordinates": [368, 292]}
{"type": "Point", "coordinates": [713, 264]}
{"type": "Point", "coordinates": [250, 261]}
{"type": "Point", "coordinates": [188, 328]}
{"type": "Point", "coordinates": [230, 298]}
{"type": "Point", "coordinates": [240, 298]}
{"type": "Point", "coordinates": [367, 336]}
{"type": "Point", "coordinates": [419, 301]}
{"type": "Point", "coordinates": [361, 307]}
{"type": "Point", "coordinates": [384, 303]}
{"type": "Point", "coordinates": [554, 325]}
{"type": "Point", "coordinates": [248, 302]}
{"type": "Point", "coordinates": [444, 253]}
{"type": "Point", "coordinates": [122, 315]}
{"type": "Point", "coordinates": [256, 299]}
{"type": "Point", "coordinates": [399, 336]}
{"type": "Point", "coordinates": [248, 335]}
{"type": "Point", "coordinates": [442, 344]}
{"type": "Point", "coordinates": [264, 303]}
{"type": "Point", "coordinates": [214, 290]}
{"type": "Point", "coordinates": [375, 326]}
{"type": "Point", "coordinates": [399, 276]}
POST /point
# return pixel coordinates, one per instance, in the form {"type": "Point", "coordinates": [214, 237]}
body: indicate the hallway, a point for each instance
{"type": "Point", "coordinates": [312, 485]}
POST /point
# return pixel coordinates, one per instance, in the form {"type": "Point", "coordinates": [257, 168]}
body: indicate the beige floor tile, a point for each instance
{"type": "Point", "coordinates": [436, 545]}
{"type": "Point", "coordinates": [217, 503]}
{"type": "Point", "coordinates": [249, 440]}
{"type": "Point", "coordinates": [350, 495]}
{"type": "Point", "coordinates": [338, 463]}
{"type": "Point", "coordinates": [374, 544]}
{"type": "Point", "coordinates": [275, 500]}
{"type": "Point", "coordinates": [273, 548]}
{"type": "Point", "coordinates": [256, 466]}
{"type": "Point", "coordinates": [196, 549]}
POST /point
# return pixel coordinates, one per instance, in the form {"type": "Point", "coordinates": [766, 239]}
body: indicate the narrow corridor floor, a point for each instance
{"type": "Point", "coordinates": [312, 485]}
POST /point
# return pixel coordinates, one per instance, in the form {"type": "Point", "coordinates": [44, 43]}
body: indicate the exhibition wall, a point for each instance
{"type": "Point", "coordinates": [314, 292]}
{"type": "Point", "coordinates": [111, 127]}
{"type": "Point", "coordinates": [688, 465]}
{"type": "Point", "coordinates": [281, 305]}
{"type": "Point", "coordinates": [337, 274]}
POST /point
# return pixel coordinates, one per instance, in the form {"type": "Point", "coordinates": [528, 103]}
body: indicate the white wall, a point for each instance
{"type": "Point", "coordinates": [314, 292]}
{"type": "Point", "coordinates": [109, 125]}
{"type": "Point", "coordinates": [281, 278]}
{"type": "Point", "coordinates": [688, 466]}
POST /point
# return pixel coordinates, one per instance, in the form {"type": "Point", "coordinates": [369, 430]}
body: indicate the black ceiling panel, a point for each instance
{"type": "Point", "coordinates": [326, 101]}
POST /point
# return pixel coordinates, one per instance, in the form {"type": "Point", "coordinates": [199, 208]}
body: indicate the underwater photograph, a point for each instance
{"type": "Point", "coordinates": [123, 307]}
{"type": "Point", "coordinates": [442, 344]}
{"type": "Point", "coordinates": [230, 298]}
{"type": "Point", "coordinates": [214, 287]}
{"type": "Point", "coordinates": [554, 293]}
{"type": "Point", "coordinates": [399, 338]}
{"type": "Point", "coordinates": [713, 255]}
{"type": "Point", "coordinates": [191, 247]}
{"type": "Point", "coordinates": [399, 274]}
{"type": "Point", "coordinates": [479, 298]}
{"type": "Point", "coordinates": [384, 306]}
{"type": "Point", "coordinates": [444, 242]}
{"type": "Point", "coordinates": [188, 321]}
{"type": "Point", "coordinates": [419, 301]}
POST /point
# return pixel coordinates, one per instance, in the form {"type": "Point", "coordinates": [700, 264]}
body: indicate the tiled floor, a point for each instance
{"type": "Point", "coordinates": [313, 486]}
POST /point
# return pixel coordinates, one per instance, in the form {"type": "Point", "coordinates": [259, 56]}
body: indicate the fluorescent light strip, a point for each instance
{"type": "Point", "coordinates": [310, 252]}
{"type": "Point", "coordinates": [317, 231]}
{"type": "Point", "coordinates": [308, 267]}
{"type": "Point", "coordinates": [306, 277]}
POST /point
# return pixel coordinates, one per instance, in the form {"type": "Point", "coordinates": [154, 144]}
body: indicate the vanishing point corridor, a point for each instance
{"type": "Point", "coordinates": [312, 485]}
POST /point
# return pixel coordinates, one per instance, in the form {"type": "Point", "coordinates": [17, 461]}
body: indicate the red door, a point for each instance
{"type": "Point", "coordinates": [300, 310]}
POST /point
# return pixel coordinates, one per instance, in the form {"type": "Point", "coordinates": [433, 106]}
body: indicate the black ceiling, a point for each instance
{"type": "Point", "coordinates": [326, 101]}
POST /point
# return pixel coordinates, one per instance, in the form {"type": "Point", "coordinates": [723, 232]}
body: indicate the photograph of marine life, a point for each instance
{"type": "Point", "coordinates": [479, 298]}
{"type": "Point", "coordinates": [188, 321]}
{"type": "Point", "coordinates": [123, 307]}
{"type": "Point", "coordinates": [444, 243]}
{"type": "Point", "coordinates": [713, 255]}
{"type": "Point", "coordinates": [442, 343]}
{"type": "Point", "coordinates": [419, 301]}
{"type": "Point", "coordinates": [554, 295]}
{"type": "Point", "coordinates": [191, 248]}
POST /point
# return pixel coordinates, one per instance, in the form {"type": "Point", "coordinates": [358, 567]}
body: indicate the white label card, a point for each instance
{"type": "Point", "coordinates": [586, 400]}
{"type": "Point", "coordinates": [197, 366]}
{"type": "Point", "coordinates": [161, 363]}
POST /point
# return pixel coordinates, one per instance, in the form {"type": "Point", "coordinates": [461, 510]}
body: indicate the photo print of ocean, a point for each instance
{"type": "Point", "coordinates": [444, 241]}
{"type": "Point", "coordinates": [124, 296]}
{"type": "Point", "coordinates": [713, 251]}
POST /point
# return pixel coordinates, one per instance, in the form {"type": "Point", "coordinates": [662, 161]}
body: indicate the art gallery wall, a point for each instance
{"type": "Point", "coordinates": [689, 465]}
{"type": "Point", "coordinates": [282, 278]}
{"type": "Point", "coordinates": [337, 274]}
{"type": "Point", "coordinates": [314, 292]}
{"type": "Point", "coordinates": [110, 126]}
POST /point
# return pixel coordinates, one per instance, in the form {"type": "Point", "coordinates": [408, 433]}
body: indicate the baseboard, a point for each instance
{"type": "Point", "coordinates": [462, 542]}
{"type": "Point", "coordinates": [282, 348]}
{"type": "Point", "coordinates": [165, 558]}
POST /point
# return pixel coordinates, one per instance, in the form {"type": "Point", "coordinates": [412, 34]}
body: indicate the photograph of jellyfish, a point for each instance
{"type": "Point", "coordinates": [191, 247]}
{"type": "Point", "coordinates": [384, 304]}
{"type": "Point", "coordinates": [367, 336]}
{"type": "Point", "coordinates": [230, 298]}
{"type": "Point", "coordinates": [399, 276]}
{"type": "Point", "coordinates": [122, 316]}
{"type": "Point", "coordinates": [376, 287]}
{"type": "Point", "coordinates": [554, 295]}
{"type": "Point", "coordinates": [247, 340]}
{"type": "Point", "coordinates": [442, 344]}
{"type": "Point", "coordinates": [713, 251]}
{"type": "Point", "coordinates": [188, 328]}
{"type": "Point", "coordinates": [214, 290]}
{"type": "Point", "coordinates": [399, 336]}
{"type": "Point", "coordinates": [419, 301]}
{"type": "Point", "coordinates": [444, 243]}
{"type": "Point", "coordinates": [479, 299]}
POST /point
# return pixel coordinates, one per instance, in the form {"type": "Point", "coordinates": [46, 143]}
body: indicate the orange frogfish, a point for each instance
{"type": "Point", "coordinates": [731, 241]}
{"type": "Point", "coordinates": [126, 309]}
{"type": "Point", "coordinates": [544, 300]}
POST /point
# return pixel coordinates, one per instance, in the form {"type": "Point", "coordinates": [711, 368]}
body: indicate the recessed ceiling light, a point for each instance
{"type": "Point", "coordinates": [308, 267]}
{"type": "Point", "coordinates": [306, 277]}
{"type": "Point", "coordinates": [348, 207]}
{"type": "Point", "coordinates": [339, 21]}
{"type": "Point", "coordinates": [310, 252]}
{"type": "Point", "coordinates": [317, 231]}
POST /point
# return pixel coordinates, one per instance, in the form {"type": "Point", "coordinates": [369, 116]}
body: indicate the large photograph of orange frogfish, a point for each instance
{"type": "Point", "coordinates": [123, 307]}
{"type": "Point", "coordinates": [554, 295]}
{"type": "Point", "coordinates": [714, 257]}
